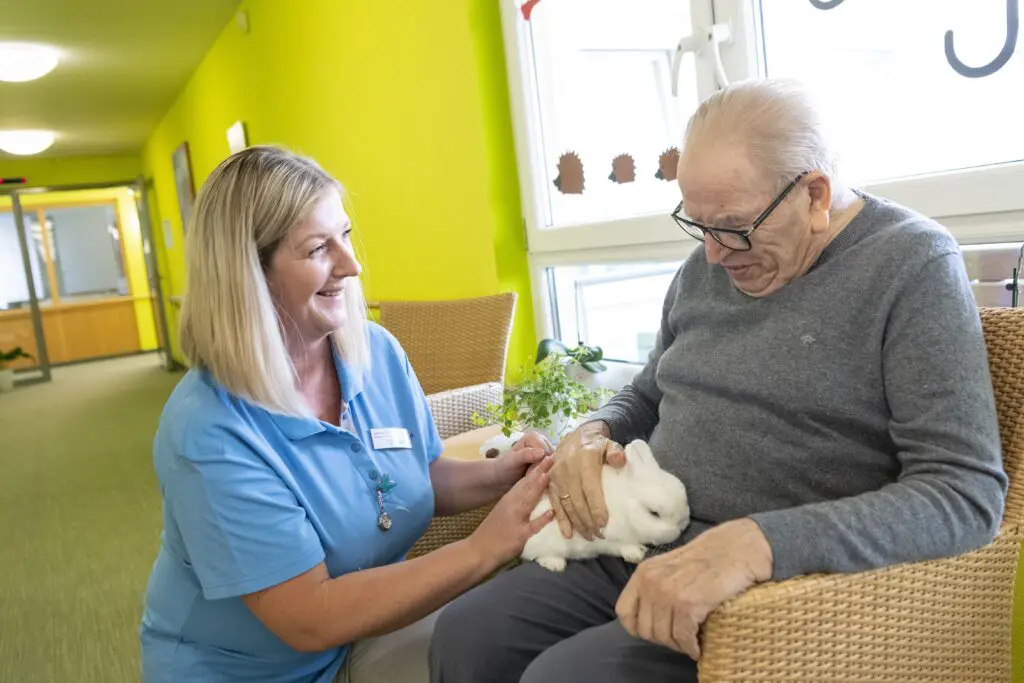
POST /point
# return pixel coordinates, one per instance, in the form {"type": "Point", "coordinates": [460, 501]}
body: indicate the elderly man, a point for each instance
{"type": "Point", "coordinates": [820, 384]}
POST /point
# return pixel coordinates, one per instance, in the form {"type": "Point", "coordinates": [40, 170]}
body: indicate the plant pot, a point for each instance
{"type": "Point", "coordinates": [6, 380]}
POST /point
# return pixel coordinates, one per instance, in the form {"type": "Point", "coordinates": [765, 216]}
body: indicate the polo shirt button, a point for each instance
{"type": "Point", "coordinates": [356, 448]}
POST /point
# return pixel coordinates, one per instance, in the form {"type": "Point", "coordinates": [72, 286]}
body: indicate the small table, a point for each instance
{"type": "Point", "coordinates": [466, 446]}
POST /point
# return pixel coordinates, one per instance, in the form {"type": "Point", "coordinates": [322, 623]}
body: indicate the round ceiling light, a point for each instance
{"type": "Point", "coordinates": [25, 142]}
{"type": "Point", "coordinates": [21, 62]}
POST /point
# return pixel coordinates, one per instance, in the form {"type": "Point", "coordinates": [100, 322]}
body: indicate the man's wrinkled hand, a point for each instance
{"type": "Point", "coordinates": [669, 596]}
{"type": "Point", "coordinates": [576, 492]}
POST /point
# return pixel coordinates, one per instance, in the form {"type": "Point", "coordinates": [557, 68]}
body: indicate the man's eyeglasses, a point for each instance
{"type": "Point", "coordinates": [737, 239]}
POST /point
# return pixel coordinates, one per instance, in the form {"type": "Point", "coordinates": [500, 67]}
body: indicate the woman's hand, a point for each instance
{"type": "Point", "coordinates": [505, 531]}
{"type": "Point", "coordinates": [524, 454]}
{"type": "Point", "coordinates": [576, 493]}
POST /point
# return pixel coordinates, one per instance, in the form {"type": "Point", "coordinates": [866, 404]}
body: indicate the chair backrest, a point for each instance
{"type": "Point", "coordinates": [454, 343]}
{"type": "Point", "coordinates": [1004, 338]}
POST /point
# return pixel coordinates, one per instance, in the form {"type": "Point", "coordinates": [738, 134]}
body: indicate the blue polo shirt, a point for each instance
{"type": "Point", "coordinates": [253, 498]}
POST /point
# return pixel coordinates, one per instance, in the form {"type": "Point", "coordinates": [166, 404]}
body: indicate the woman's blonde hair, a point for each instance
{"type": "Point", "coordinates": [229, 323]}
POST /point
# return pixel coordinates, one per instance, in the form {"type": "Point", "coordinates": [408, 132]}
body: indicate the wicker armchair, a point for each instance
{"type": "Point", "coordinates": [453, 414]}
{"type": "Point", "coordinates": [454, 343]}
{"type": "Point", "coordinates": [942, 620]}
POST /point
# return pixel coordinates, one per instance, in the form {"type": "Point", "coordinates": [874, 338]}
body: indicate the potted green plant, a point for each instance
{"type": "Point", "coordinates": [547, 398]}
{"type": "Point", "coordinates": [586, 357]}
{"type": "Point", "coordinates": [7, 373]}
{"type": "Point", "coordinates": [588, 366]}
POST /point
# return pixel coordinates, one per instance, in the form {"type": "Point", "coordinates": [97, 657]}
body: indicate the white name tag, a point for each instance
{"type": "Point", "coordinates": [392, 437]}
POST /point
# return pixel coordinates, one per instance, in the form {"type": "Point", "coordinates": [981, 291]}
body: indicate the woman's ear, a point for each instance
{"type": "Point", "coordinates": [819, 190]}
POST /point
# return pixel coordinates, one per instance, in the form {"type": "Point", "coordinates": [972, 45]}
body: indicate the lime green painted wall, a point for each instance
{"type": "Point", "coordinates": [408, 109]}
{"type": "Point", "coordinates": [71, 170]}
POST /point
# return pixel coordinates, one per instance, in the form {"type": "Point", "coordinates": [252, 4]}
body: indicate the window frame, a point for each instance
{"type": "Point", "coordinates": [977, 205]}
{"type": "Point", "coordinates": [531, 165]}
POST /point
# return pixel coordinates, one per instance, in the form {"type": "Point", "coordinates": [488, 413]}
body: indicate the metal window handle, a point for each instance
{"type": "Point", "coordinates": [715, 36]}
{"type": "Point", "coordinates": [1012, 26]}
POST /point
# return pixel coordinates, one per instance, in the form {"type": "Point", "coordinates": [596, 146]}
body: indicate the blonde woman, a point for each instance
{"type": "Point", "coordinates": [298, 461]}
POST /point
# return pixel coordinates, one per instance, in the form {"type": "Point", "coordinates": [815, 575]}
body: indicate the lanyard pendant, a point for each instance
{"type": "Point", "coordinates": [384, 484]}
{"type": "Point", "coordinates": [383, 519]}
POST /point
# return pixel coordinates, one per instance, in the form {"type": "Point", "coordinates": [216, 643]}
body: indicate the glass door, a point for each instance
{"type": "Point", "coordinates": [23, 287]}
{"type": "Point", "coordinates": [153, 275]}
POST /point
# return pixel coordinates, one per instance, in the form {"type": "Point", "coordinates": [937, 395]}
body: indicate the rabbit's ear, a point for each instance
{"type": "Point", "coordinates": [640, 453]}
{"type": "Point", "coordinates": [634, 460]}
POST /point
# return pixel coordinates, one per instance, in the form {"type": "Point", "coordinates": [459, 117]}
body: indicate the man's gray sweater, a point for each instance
{"type": "Point", "coordinates": [850, 413]}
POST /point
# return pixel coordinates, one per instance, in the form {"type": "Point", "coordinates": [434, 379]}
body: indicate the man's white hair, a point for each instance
{"type": "Point", "coordinates": [775, 120]}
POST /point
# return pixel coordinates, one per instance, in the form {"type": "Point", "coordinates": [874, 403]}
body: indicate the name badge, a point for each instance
{"type": "Point", "coordinates": [392, 437]}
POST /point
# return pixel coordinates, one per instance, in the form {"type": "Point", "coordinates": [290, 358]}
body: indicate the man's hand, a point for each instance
{"type": "Point", "coordinates": [523, 456]}
{"type": "Point", "coordinates": [576, 493]}
{"type": "Point", "coordinates": [669, 596]}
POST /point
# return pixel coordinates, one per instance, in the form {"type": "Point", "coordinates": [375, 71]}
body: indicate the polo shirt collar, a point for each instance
{"type": "Point", "coordinates": [297, 428]}
{"type": "Point", "coordinates": [351, 378]}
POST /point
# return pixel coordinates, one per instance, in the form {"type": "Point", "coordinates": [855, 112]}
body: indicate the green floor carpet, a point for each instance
{"type": "Point", "coordinates": [79, 520]}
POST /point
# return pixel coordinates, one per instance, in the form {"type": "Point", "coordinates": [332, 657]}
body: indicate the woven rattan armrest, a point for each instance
{"type": "Point", "coordinates": [941, 620]}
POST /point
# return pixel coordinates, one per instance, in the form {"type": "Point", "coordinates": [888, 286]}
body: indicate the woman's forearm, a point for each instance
{"type": "Point", "coordinates": [393, 596]}
{"type": "Point", "coordinates": [461, 485]}
{"type": "Point", "coordinates": [314, 612]}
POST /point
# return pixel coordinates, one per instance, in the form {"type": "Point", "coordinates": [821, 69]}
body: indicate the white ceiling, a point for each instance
{"type": "Point", "coordinates": [124, 62]}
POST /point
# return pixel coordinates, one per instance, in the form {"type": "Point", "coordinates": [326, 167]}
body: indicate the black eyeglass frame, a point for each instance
{"type": "Point", "coordinates": [744, 233]}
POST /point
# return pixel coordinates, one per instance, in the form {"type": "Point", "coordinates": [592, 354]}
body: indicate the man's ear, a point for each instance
{"type": "Point", "coordinates": [819, 190]}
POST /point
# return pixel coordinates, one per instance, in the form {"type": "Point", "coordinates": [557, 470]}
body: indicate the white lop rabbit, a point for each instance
{"type": "Point", "coordinates": [646, 505]}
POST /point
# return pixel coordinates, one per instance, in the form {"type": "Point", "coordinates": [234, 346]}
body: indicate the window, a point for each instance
{"type": "Point", "coordinates": [614, 306]}
{"type": "Point", "coordinates": [990, 269]}
{"type": "Point", "coordinates": [604, 86]}
{"type": "Point", "coordinates": [600, 98]}
{"type": "Point", "coordinates": [602, 78]}
{"type": "Point", "coordinates": [13, 288]}
{"type": "Point", "coordinates": [86, 251]}
{"type": "Point", "coordinates": [78, 256]}
{"type": "Point", "coordinates": [896, 105]}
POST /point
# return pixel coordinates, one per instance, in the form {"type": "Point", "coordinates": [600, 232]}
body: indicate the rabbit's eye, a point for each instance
{"type": "Point", "coordinates": [655, 513]}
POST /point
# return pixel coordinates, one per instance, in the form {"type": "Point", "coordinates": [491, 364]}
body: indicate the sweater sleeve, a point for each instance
{"type": "Point", "coordinates": [633, 412]}
{"type": "Point", "coordinates": [948, 497]}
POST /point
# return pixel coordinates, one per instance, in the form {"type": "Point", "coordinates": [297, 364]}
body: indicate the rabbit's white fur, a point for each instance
{"type": "Point", "coordinates": [646, 506]}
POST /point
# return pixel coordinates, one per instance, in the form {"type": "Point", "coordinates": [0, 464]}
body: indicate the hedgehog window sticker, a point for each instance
{"type": "Point", "coordinates": [623, 169]}
{"type": "Point", "coordinates": [570, 176]}
{"type": "Point", "coordinates": [667, 164]}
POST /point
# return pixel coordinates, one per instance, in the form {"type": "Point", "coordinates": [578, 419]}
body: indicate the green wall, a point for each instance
{"type": "Point", "coordinates": [71, 170]}
{"type": "Point", "coordinates": [408, 109]}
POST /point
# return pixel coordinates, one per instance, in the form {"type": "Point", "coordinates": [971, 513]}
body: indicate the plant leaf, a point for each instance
{"type": "Point", "coordinates": [548, 347]}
